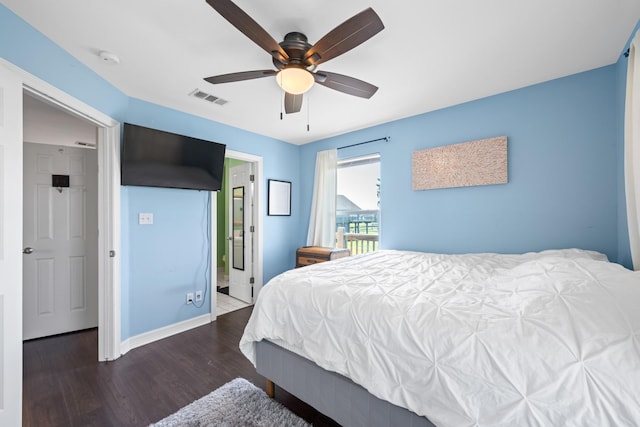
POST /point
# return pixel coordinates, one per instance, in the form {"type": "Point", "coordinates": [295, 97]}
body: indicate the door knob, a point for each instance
{"type": "Point", "coordinates": [230, 238]}
{"type": "Point", "coordinates": [27, 250]}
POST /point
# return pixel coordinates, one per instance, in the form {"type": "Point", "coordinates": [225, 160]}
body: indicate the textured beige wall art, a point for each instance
{"type": "Point", "coordinates": [481, 162]}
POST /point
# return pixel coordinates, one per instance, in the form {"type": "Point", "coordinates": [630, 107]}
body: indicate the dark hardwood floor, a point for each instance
{"type": "Point", "coordinates": [65, 385]}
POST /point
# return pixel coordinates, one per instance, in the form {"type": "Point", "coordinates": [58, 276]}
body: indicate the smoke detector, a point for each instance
{"type": "Point", "coordinates": [109, 57]}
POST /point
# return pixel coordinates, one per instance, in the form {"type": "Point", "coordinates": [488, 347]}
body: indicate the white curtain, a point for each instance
{"type": "Point", "coordinates": [322, 222]}
{"type": "Point", "coordinates": [632, 150]}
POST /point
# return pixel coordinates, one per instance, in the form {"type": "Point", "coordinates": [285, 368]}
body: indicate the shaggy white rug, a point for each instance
{"type": "Point", "coordinates": [237, 403]}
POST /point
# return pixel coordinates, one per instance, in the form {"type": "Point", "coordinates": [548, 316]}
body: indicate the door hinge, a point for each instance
{"type": "Point", "coordinates": [252, 280]}
{"type": "Point", "coordinates": [252, 229]}
{"type": "Point", "coordinates": [252, 177]}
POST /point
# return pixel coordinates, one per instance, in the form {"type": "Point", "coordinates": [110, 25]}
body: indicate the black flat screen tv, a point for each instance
{"type": "Point", "coordinates": [154, 158]}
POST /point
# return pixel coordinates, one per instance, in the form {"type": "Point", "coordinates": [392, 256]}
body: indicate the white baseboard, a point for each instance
{"type": "Point", "coordinates": [164, 332]}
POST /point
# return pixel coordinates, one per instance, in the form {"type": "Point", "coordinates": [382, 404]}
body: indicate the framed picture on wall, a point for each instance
{"type": "Point", "coordinates": [279, 203]}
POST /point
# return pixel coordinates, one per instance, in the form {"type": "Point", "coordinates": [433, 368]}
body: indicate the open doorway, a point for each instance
{"type": "Point", "coordinates": [24, 84]}
{"type": "Point", "coordinates": [238, 244]}
{"type": "Point", "coordinates": [60, 221]}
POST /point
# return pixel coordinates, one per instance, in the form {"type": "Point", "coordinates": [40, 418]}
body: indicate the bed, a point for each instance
{"type": "Point", "coordinates": [410, 338]}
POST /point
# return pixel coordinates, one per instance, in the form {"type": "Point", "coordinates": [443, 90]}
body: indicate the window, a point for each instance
{"type": "Point", "coordinates": [358, 203]}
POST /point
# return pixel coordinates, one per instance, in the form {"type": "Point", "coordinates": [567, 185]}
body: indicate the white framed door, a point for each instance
{"type": "Point", "coordinates": [60, 262]}
{"type": "Point", "coordinates": [241, 228]}
{"type": "Point", "coordinates": [10, 248]}
{"type": "Point", "coordinates": [109, 335]}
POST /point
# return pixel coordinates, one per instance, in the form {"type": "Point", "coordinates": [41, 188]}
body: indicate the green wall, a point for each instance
{"type": "Point", "coordinates": [223, 217]}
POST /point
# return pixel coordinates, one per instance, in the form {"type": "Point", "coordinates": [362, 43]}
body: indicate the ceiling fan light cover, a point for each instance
{"type": "Point", "coordinates": [294, 80]}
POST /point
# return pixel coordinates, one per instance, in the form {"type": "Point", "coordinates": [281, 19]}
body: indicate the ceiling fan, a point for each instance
{"type": "Point", "coordinates": [296, 59]}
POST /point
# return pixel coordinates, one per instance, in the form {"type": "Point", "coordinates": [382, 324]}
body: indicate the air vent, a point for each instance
{"type": "Point", "coordinates": [197, 93]}
{"type": "Point", "coordinates": [86, 144]}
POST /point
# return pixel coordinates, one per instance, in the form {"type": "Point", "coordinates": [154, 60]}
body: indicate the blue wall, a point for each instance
{"type": "Point", "coordinates": [563, 148]}
{"type": "Point", "coordinates": [160, 263]}
{"type": "Point", "coordinates": [165, 260]}
{"type": "Point", "coordinates": [280, 162]}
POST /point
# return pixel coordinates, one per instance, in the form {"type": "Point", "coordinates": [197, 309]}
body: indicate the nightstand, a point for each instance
{"type": "Point", "coordinates": [309, 255]}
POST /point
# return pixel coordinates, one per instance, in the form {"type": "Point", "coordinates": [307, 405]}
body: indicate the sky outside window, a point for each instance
{"type": "Point", "coordinates": [358, 183]}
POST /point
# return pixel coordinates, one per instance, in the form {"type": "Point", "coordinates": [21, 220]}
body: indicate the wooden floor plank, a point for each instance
{"type": "Point", "coordinates": [64, 385]}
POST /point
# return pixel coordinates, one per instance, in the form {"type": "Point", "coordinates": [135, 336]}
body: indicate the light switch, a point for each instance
{"type": "Point", "coordinates": [145, 218]}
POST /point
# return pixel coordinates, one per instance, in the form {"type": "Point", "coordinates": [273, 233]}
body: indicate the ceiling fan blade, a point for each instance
{"type": "Point", "coordinates": [250, 28]}
{"type": "Point", "coordinates": [344, 37]}
{"type": "Point", "coordinates": [346, 84]}
{"type": "Point", "coordinates": [292, 103]}
{"type": "Point", "coordinates": [236, 77]}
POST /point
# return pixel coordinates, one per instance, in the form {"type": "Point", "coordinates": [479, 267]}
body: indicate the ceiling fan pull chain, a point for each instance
{"type": "Point", "coordinates": [308, 103]}
{"type": "Point", "coordinates": [281, 103]}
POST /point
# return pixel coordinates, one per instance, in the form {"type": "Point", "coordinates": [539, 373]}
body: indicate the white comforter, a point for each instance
{"type": "Point", "coordinates": [541, 339]}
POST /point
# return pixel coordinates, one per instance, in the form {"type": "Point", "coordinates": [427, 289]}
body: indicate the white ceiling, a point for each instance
{"type": "Point", "coordinates": [432, 53]}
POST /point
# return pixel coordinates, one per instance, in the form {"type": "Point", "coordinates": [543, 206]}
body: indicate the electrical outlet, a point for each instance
{"type": "Point", "coordinates": [198, 296]}
{"type": "Point", "coordinates": [145, 218]}
{"type": "Point", "coordinates": [190, 298]}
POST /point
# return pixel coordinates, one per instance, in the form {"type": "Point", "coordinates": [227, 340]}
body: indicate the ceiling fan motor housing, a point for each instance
{"type": "Point", "coordinates": [296, 45]}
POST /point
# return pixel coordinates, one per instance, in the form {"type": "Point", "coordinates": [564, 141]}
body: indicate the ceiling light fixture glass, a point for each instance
{"type": "Point", "coordinates": [294, 80]}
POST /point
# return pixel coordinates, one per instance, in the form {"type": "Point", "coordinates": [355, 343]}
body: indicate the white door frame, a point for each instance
{"type": "Point", "coordinates": [11, 135]}
{"type": "Point", "coordinates": [257, 235]}
{"type": "Point", "coordinates": [109, 308]}
{"type": "Point", "coordinates": [239, 279]}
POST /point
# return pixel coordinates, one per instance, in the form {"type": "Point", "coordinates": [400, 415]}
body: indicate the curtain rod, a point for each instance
{"type": "Point", "coordinates": [384, 138]}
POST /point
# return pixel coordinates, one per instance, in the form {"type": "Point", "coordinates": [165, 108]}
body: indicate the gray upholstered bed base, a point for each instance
{"type": "Point", "coordinates": [336, 396]}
